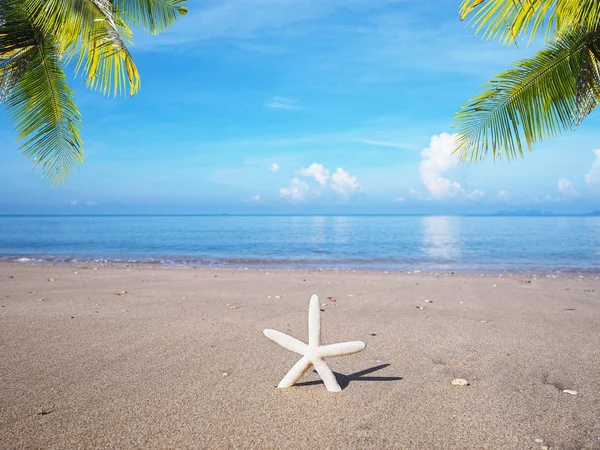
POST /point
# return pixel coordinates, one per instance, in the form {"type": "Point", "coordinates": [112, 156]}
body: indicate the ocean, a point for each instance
{"type": "Point", "coordinates": [491, 244]}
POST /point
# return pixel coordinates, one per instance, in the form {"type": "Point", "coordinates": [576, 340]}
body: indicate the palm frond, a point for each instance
{"type": "Point", "coordinates": [41, 105]}
{"type": "Point", "coordinates": [90, 31]}
{"type": "Point", "coordinates": [16, 44]}
{"type": "Point", "coordinates": [588, 88]}
{"type": "Point", "coordinates": [506, 20]}
{"type": "Point", "coordinates": [537, 99]}
{"type": "Point", "coordinates": [152, 15]}
{"type": "Point", "coordinates": [106, 61]}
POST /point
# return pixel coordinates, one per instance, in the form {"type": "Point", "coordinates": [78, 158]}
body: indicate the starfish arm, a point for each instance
{"type": "Point", "coordinates": [287, 342]}
{"type": "Point", "coordinates": [326, 375]}
{"type": "Point", "coordinates": [314, 322]}
{"type": "Point", "coordinates": [295, 373]}
{"type": "Point", "coordinates": [344, 348]}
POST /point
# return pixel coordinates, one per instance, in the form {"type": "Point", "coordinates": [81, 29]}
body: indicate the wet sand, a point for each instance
{"type": "Point", "coordinates": [159, 357]}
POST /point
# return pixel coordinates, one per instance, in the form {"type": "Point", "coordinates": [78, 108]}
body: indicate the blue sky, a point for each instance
{"type": "Point", "coordinates": [303, 106]}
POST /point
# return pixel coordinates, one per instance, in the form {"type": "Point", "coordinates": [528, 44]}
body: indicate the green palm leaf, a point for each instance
{"type": "Point", "coordinates": [93, 30]}
{"type": "Point", "coordinates": [39, 37]}
{"type": "Point", "coordinates": [153, 15]}
{"type": "Point", "coordinates": [17, 42]}
{"type": "Point", "coordinates": [537, 99]}
{"type": "Point", "coordinates": [505, 20]}
{"type": "Point", "coordinates": [39, 100]}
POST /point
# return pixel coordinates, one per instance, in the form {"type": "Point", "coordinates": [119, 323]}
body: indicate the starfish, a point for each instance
{"type": "Point", "coordinates": [313, 352]}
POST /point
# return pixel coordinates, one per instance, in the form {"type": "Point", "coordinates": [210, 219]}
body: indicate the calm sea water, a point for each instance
{"type": "Point", "coordinates": [427, 243]}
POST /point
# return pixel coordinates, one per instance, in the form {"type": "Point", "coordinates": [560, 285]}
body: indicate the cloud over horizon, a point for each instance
{"type": "Point", "coordinates": [296, 192]}
{"type": "Point", "coordinates": [437, 160]}
{"type": "Point", "coordinates": [340, 183]}
{"type": "Point", "coordinates": [592, 178]}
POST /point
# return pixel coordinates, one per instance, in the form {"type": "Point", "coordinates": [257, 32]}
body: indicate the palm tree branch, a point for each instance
{"type": "Point", "coordinates": [43, 110]}
{"type": "Point", "coordinates": [588, 88]}
{"type": "Point", "coordinates": [152, 15]}
{"type": "Point", "coordinates": [536, 99]}
{"type": "Point", "coordinates": [90, 29]}
{"type": "Point", "coordinates": [17, 42]}
{"type": "Point", "coordinates": [506, 20]}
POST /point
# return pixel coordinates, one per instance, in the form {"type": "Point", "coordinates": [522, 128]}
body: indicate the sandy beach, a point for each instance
{"type": "Point", "coordinates": [175, 357]}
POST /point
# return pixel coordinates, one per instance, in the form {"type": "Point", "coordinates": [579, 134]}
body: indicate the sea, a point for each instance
{"type": "Point", "coordinates": [462, 244]}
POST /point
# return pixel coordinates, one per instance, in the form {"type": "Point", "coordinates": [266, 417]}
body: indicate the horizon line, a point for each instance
{"type": "Point", "coordinates": [497, 214]}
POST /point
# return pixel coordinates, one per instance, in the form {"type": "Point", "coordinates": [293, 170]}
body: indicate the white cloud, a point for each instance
{"type": "Point", "coordinates": [566, 188]}
{"type": "Point", "coordinates": [414, 193]}
{"type": "Point", "coordinates": [255, 198]}
{"type": "Point", "coordinates": [274, 168]}
{"type": "Point", "coordinates": [318, 172]}
{"type": "Point", "coordinates": [593, 176]}
{"type": "Point", "coordinates": [282, 103]}
{"type": "Point", "coordinates": [339, 182]}
{"type": "Point", "coordinates": [74, 202]}
{"type": "Point", "coordinates": [504, 195]}
{"type": "Point", "coordinates": [476, 195]}
{"type": "Point", "coordinates": [297, 191]}
{"type": "Point", "coordinates": [343, 183]}
{"type": "Point", "coordinates": [399, 199]}
{"type": "Point", "coordinates": [438, 159]}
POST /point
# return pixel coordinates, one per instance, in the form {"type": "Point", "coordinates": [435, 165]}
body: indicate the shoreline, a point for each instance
{"type": "Point", "coordinates": [294, 266]}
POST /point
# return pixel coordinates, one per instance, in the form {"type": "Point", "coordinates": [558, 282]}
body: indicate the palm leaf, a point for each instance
{"type": "Point", "coordinates": [152, 15]}
{"type": "Point", "coordinates": [588, 88]}
{"type": "Point", "coordinates": [90, 30]}
{"type": "Point", "coordinates": [537, 99]}
{"type": "Point", "coordinates": [17, 41]}
{"type": "Point", "coordinates": [41, 105]}
{"type": "Point", "coordinates": [105, 59]}
{"type": "Point", "coordinates": [506, 20]}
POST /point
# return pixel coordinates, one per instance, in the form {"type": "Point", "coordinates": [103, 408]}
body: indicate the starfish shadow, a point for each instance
{"type": "Point", "coordinates": [344, 380]}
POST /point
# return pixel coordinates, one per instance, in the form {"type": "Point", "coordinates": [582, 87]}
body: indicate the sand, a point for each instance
{"type": "Point", "coordinates": [169, 363]}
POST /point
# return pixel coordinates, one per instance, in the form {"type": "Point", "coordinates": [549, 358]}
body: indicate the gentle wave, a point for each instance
{"type": "Point", "coordinates": [239, 263]}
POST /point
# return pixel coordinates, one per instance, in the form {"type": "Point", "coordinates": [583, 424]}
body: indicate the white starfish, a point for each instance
{"type": "Point", "coordinates": [314, 352]}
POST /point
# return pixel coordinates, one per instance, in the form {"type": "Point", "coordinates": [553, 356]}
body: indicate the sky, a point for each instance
{"type": "Point", "coordinates": [303, 107]}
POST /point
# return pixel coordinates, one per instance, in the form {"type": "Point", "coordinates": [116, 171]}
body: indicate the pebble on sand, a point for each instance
{"type": "Point", "coordinates": [570, 391]}
{"type": "Point", "coordinates": [460, 382]}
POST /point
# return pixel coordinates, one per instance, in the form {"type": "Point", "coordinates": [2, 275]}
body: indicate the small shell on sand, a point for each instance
{"type": "Point", "coordinates": [460, 382]}
{"type": "Point", "coordinates": [570, 391]}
